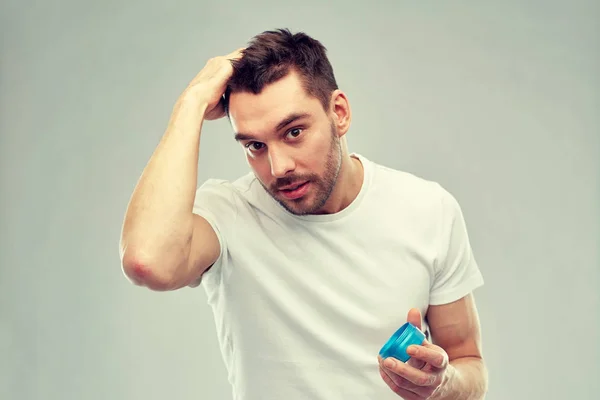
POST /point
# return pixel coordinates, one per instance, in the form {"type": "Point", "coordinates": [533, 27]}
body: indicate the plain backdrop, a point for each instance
{"type": "Point", "coordinates": [497, 101]}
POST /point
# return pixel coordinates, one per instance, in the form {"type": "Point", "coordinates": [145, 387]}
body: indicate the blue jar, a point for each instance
{"type": "Point", "coordinates": [396, 346]}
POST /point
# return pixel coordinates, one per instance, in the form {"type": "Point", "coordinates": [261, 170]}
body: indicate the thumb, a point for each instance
{"type": "Point", "coordinates": [414, 317]}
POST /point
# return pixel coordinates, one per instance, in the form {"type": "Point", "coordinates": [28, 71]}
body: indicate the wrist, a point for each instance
{"type": "Point", "coordinates": [191, 102]}
{"type": "Point", "coordinates": [188, 111]}
{"type": "Point", "coordinates": [443, 392]}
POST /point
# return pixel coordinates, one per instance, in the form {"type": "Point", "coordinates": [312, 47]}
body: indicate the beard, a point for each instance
{"type": "Point", "coordinates": [321, 186]}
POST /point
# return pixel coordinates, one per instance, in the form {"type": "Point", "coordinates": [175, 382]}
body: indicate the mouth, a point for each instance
{"type": "Point", "coordinates": [296, 191]}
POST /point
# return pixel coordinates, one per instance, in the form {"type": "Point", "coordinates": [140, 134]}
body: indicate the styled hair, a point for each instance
{"type": "Point", "coordinates": [271, 55]}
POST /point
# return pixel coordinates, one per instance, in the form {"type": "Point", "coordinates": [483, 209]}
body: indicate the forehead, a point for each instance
{"type": "Point", "coordinates": [256, 113]}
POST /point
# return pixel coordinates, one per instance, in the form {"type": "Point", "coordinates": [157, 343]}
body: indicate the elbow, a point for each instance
{"type": "Point", "coordinates": [147, 273]}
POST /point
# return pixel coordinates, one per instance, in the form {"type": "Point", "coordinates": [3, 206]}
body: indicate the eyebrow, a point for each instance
{"type": "Point", "coordinates": [284, 122]}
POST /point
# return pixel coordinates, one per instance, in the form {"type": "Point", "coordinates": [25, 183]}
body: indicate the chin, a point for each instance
{"type": "Point", "coordinates": [296, 207]}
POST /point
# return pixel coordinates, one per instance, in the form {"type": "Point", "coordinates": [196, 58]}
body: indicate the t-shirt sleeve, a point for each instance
{"type": "Point", "coordinates": [456, 271]}
{"type": "Point", "coordinates": [215, 202]}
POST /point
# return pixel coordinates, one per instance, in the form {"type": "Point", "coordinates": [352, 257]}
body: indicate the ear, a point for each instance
{"type": "Point", "coordinates": [340, 111]}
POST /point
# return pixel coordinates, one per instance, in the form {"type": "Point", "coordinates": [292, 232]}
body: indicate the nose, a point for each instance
{"type": "Point", "coordinates": [281, 163]}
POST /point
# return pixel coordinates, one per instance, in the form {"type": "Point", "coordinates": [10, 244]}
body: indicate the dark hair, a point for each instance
{"type": "Point", "coordinates": [271, 55]}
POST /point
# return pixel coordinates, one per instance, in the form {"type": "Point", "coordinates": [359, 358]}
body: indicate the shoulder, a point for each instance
{"type": "Point", "coordinates": [216, 193]}
{"type": "Point", "coordinates": [408, 188]}
{"type": "Point", "coordinates": [224, 187]}
{"type": "Point", "coordinates": [412, 197]}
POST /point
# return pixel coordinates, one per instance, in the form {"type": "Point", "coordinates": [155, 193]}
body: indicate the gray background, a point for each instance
{"type": "Point", "coordinates": [497, 101]}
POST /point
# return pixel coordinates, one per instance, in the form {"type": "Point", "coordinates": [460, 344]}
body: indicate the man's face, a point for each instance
{"type": "Point", "coordinates": [289, 140]}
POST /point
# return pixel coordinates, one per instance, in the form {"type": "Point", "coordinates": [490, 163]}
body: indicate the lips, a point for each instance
{"type": "Point", "coordinates": [295, 192]}
{"type": "Point", "coordinates": [292, 187]}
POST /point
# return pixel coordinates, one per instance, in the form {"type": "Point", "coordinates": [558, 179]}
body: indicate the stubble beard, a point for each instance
{"type": "Point", "coordinates": [321, 188]}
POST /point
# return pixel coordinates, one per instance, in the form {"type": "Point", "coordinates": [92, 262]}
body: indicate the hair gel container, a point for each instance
{"type": "Point", "coordinates": [396, 346]}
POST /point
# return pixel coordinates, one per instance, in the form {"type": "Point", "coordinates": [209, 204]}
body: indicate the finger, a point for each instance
{"type": "Point", "coordinates": [430, 354]}
{"type": "Point", "coordinates": [416, 363]}
{"type": "Point", "coordinates": [404, 383]}
{"type": "Point", "coordinates": [413, 375]}
{"type": "Point", "coordinates": [236, 54]}
{"type": "Point", "coordinates": [404, 393]}
{"type": "Point", "coordinates": [414, 317]}
{"type": "Point", "coordinates": [218, 111]}
{"type": "Point", "coordinates": [399, 381]}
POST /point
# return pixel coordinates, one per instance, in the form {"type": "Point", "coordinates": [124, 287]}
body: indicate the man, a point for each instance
{"type": "Point", "coordinates": [313, 259]}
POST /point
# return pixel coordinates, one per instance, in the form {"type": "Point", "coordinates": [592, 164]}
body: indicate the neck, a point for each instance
{"type": "Point", "coordinates": [349, 183]}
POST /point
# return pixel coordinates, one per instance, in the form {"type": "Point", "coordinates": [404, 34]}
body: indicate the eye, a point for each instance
{"type": "Point", "coordinates": [254, 146]}
{"type": "Point", "coordinates": [295, 132]}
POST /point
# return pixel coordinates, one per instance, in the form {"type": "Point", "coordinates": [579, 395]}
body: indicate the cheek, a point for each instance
{"type": "Point", "coordinates": [260, 166]}
{"type": "Point", "coordinates": [318, 152]}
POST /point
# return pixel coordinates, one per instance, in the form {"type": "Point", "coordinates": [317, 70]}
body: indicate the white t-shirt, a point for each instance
{"type": "Point", "coordinates": [303, 304]}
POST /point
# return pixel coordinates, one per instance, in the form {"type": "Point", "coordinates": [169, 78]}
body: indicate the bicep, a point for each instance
{"type": "Point", "coordinates": [455, 327]}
